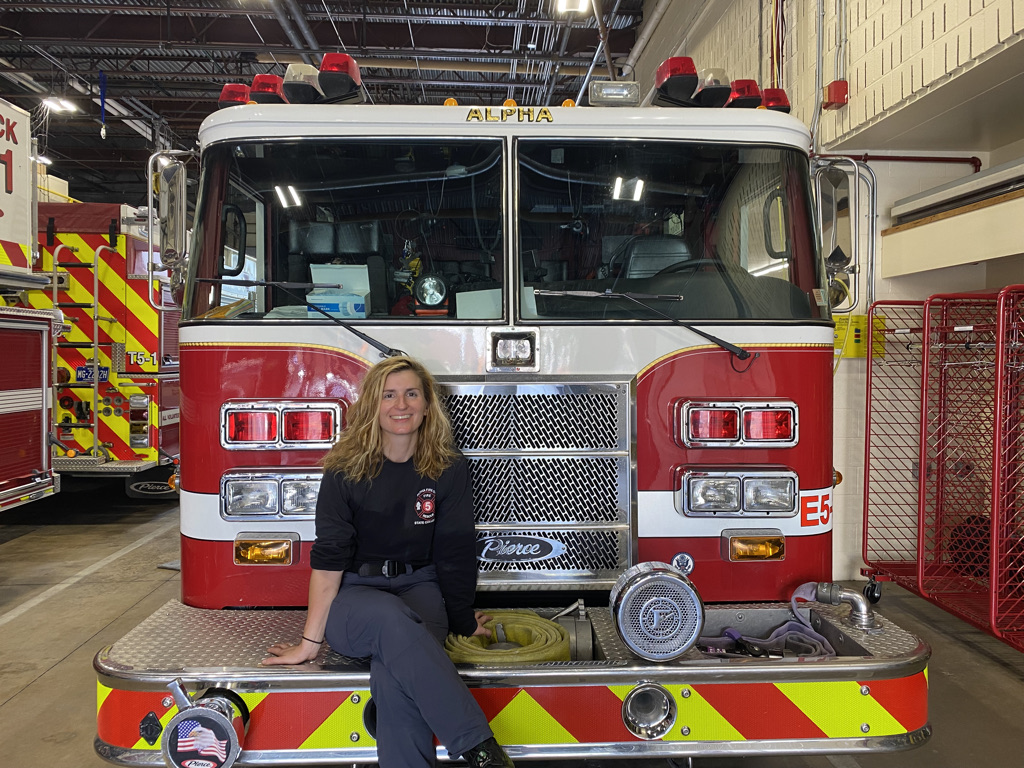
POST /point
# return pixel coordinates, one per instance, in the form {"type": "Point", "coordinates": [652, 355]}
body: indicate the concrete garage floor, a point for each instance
{"type": "Point", "coordinates": [80, 569]}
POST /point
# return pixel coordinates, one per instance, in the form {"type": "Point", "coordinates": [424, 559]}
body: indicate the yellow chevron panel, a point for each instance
{"type": "Point", "coordinates": [340, 725]}
{"type": "Point", "coordinates": [101, 694]}
{"type": "Point", "coordinates": [704, 722]}
{"type": "Point", "coordinates": [525, 721]}
{"type": "Point", "coordinates": [840, 709]}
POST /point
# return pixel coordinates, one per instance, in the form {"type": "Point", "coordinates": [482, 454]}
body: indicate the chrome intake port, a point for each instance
{"type": "Point", "coordinates": [656, 611]}
{"type": "Point", "coordinates": [649, 711]}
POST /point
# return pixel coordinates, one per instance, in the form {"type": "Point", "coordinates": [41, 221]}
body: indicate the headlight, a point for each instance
{"type": "Point", "coordinates": [298, 497]}
{"type": "Point", "coordinates": [430, 290]}
{"type": "Point", "coordinates": [251, 497]}
{"type": "Point", "coordinates": [715, 494]}
{"type": "Point", "coordinates": [769, 494]}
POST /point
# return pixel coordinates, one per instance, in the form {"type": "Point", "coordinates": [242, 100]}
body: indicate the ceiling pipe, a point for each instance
{"type": "Point", "coordinates": [289, 31]}
{"type": "Point", "coordinates": [445, 66]}
{"type": "Point", "coordinates": [645, 35]}
{"type": "Point", "coordinates": [602, 33]}
{"type": "Point", "coordinates": [974, 162]}
{"type": "Point", "coordinates": [304, 28]}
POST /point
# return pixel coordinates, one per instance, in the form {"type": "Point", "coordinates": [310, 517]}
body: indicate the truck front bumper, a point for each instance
{"type": "Point", "coordinates": [871, 698]}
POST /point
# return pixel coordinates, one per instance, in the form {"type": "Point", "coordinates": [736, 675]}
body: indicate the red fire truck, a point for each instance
{"type": "Point", "coordinates": [26, 335]}
{"type": "Point", "coordinates": [626, 308]}
{"type": "Point", "coordinates": [116, 370]}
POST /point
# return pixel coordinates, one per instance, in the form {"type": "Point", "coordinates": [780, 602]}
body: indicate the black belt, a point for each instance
{"type": "Point", "coordinates": [389, 568]}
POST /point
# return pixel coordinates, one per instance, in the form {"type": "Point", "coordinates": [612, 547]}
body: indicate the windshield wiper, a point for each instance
{"type": "Point", "coordinates": [287, 287]}
{"type": "Point", "coordinates": [642, 299]}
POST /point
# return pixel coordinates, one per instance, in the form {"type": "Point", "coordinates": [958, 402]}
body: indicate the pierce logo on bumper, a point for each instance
{"type": "Point", "coordinates": [518, 549]}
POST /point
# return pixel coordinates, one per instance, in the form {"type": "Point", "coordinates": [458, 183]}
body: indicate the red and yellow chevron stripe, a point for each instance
{"type": "Point", "coordinates": [14, 254]}
{"type": "Point", "coordinates": [738, 713]}
{"type": "Point", "coordinates": [126, 318]}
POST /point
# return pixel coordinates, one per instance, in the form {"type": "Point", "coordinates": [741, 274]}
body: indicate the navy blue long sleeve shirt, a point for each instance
{"type": "Point", "coordinates": [402, 516]}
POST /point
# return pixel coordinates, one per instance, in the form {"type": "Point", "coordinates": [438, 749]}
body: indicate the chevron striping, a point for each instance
{"type": "Point", "coordinates": [904, 698]}
{"type": "Point", "coordinates": [705, 723]}
{"type": "Point", "coordinates": [840, 709]}
{"type": "Point", "coordinates": [590, 713]}
{"type": "Point", "coordinates": [286, 719]}
{"type": "Point", "coordinates": [525, 721]}
{"type": "Point", "coordinates": [759, 711]}
{"type": "Point", "coordinates": [341, 724]}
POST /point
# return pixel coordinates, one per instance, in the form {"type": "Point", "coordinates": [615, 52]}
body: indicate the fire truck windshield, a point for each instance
{"type": "Point", "coordinates": [419, 230]}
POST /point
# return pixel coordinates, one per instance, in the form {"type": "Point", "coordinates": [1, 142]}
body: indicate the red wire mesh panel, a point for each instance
{"type": "Point", "coordinates": [1007, 600]}
{"type": "Point", "coordinates": [893, 433]}
{"type": "Point", "coordinates": [954, 567]}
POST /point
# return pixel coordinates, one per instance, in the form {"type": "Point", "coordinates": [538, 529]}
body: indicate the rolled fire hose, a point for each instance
{"type": "Point", "coordinates": [539, 640]}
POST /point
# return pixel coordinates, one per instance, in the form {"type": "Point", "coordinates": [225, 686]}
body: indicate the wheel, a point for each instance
{"type": "Point", "coordinates": [873, 591]}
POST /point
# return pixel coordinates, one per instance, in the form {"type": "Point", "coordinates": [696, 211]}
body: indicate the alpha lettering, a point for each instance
{"type": "Point", "coordinates": [508, 114]}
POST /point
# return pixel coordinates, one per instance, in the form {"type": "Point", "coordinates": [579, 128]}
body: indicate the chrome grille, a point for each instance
{"type": "Point", "coordinates": [560, 489]}
{"type": "Point", "coordinates": [516, 420]}
{"type": "Point", "coordinates": [549, 461]}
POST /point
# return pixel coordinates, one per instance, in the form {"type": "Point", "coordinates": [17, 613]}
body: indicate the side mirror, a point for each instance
{"type": "Point", "coordinates": [172, 209]}
{"type": "Point", "coordinates": [233, 229]}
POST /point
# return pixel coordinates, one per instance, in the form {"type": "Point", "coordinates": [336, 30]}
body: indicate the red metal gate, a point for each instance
{"type": "Point", "coordinates": [944, 462]}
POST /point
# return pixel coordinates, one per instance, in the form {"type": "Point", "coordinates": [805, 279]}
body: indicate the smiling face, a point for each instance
{"type": "Point", "coordinates": [402, 406]}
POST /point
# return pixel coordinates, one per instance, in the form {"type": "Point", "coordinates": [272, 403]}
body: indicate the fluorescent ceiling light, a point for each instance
{"type": "Point", "coordinates": [59, 105]}
{"type": "Point", "coordinates": [569, 6]}
{"type": "Point", "coordinates": [43, 160]}
{"type": "Point", "coordinates": [771, 268]}
{"type": "Point", "coordinates": [628, 189]}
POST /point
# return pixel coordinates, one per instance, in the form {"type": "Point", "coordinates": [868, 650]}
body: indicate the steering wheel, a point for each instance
{"type": "Point", "coordinates": [687, 264]}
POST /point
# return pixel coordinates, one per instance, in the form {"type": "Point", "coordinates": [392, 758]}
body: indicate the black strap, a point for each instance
{"type": "Point", "coordinates": [389, 568]}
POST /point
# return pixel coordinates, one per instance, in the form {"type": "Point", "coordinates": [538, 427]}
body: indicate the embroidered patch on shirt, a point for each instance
{"type": "Point", "coordinates": [425, 506]}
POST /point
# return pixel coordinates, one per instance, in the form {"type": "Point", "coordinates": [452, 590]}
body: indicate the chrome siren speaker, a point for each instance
{"type": "Point", "coordinates": [656, 611]}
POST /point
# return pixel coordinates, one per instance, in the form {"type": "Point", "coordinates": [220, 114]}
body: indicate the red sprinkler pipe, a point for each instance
{"type": "Point", "coordinates": [973, 161]}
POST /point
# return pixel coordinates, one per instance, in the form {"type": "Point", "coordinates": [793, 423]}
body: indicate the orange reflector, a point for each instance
{"type": "Point", "coordinates": [757, 547]}
{"type": "Point", "coordinates": [451, 102]}
{"type": "Point", "coordinates": [71, 453]}
{"type": "Point", "coordinates": [569, 103]}
{"type": "Point", "coordinates": [172, 482]}
{"type": "Point", "coordinates": [263, 552]}
{"type": "Point", "coordinates": [837, 477]}
{"type": "Point", "coordinates": [509, 103]}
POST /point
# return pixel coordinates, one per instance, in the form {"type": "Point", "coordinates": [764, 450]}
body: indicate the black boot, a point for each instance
{"type": "Point", "coordinates": [488, 754]}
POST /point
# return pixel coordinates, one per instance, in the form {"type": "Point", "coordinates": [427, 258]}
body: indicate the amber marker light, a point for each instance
{"type": "Point", "coordinates": [263, 551]}
{"type": "Point", "coordinates": [569, 103]}
{"type": "Point", "coordinates": [509, 103]}
{"type": "Point", "coordinates": [746, 547]}
{"type": "Point", "coordinates": [451, 102]}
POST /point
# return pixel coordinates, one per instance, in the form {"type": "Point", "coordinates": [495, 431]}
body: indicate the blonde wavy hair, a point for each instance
{"type": "Point", "coordinates": [359, 452]}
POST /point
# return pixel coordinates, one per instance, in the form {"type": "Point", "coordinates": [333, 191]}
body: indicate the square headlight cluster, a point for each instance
{"type": "Point", "coordinates": [730, 494]}
{"type": "Point", "coordinates": [263, 495]}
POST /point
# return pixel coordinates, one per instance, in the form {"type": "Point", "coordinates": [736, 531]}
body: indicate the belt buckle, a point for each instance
{"type": "Point", "coordinates": [389, 569]}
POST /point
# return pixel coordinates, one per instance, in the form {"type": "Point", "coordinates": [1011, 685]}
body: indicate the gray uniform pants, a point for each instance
{"type": "Point", "coordinates": [401, 624]}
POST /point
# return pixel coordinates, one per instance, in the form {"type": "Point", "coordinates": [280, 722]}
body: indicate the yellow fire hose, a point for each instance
{"type": "Point", "coordinates": [539, 640]}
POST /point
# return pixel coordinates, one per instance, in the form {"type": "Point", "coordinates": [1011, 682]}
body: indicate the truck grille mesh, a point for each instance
{"type": "Point", "coordinates": [549, 461]}
{"type": "Point", "coordinates": [552, 490]}
{"type": "Point", "coordinates": [516, 421]}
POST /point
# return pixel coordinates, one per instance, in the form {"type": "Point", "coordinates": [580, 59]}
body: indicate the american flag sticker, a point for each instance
{"type": "Point", "coordinates": [194, 737]}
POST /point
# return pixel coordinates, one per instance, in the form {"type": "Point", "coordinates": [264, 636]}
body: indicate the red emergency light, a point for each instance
{"type": "Point", "coordinates": [714, 424]}
{"type": "Point", "coordinates": [252, 426]}
{"type": "Point", "coordinates": [674, 82]}
{"type": "Point", "coordinates": [776, 100]}
{"type": "Point", "coordinates": [772, 425]}
{"type": "Point", "coordinates": [745, 94]}
{"type": "Point", "coordinates": [268, 89]}
{"type": "Point", "coordinates": [233, 94]}
{"type": "Point", "coordinates": [308, 426]}
{"type": "Point", "coordinates": [339, 77]}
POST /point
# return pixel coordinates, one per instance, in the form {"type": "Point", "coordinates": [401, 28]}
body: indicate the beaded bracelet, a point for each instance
{"type": "Point", "coordinates": [321, 642]}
